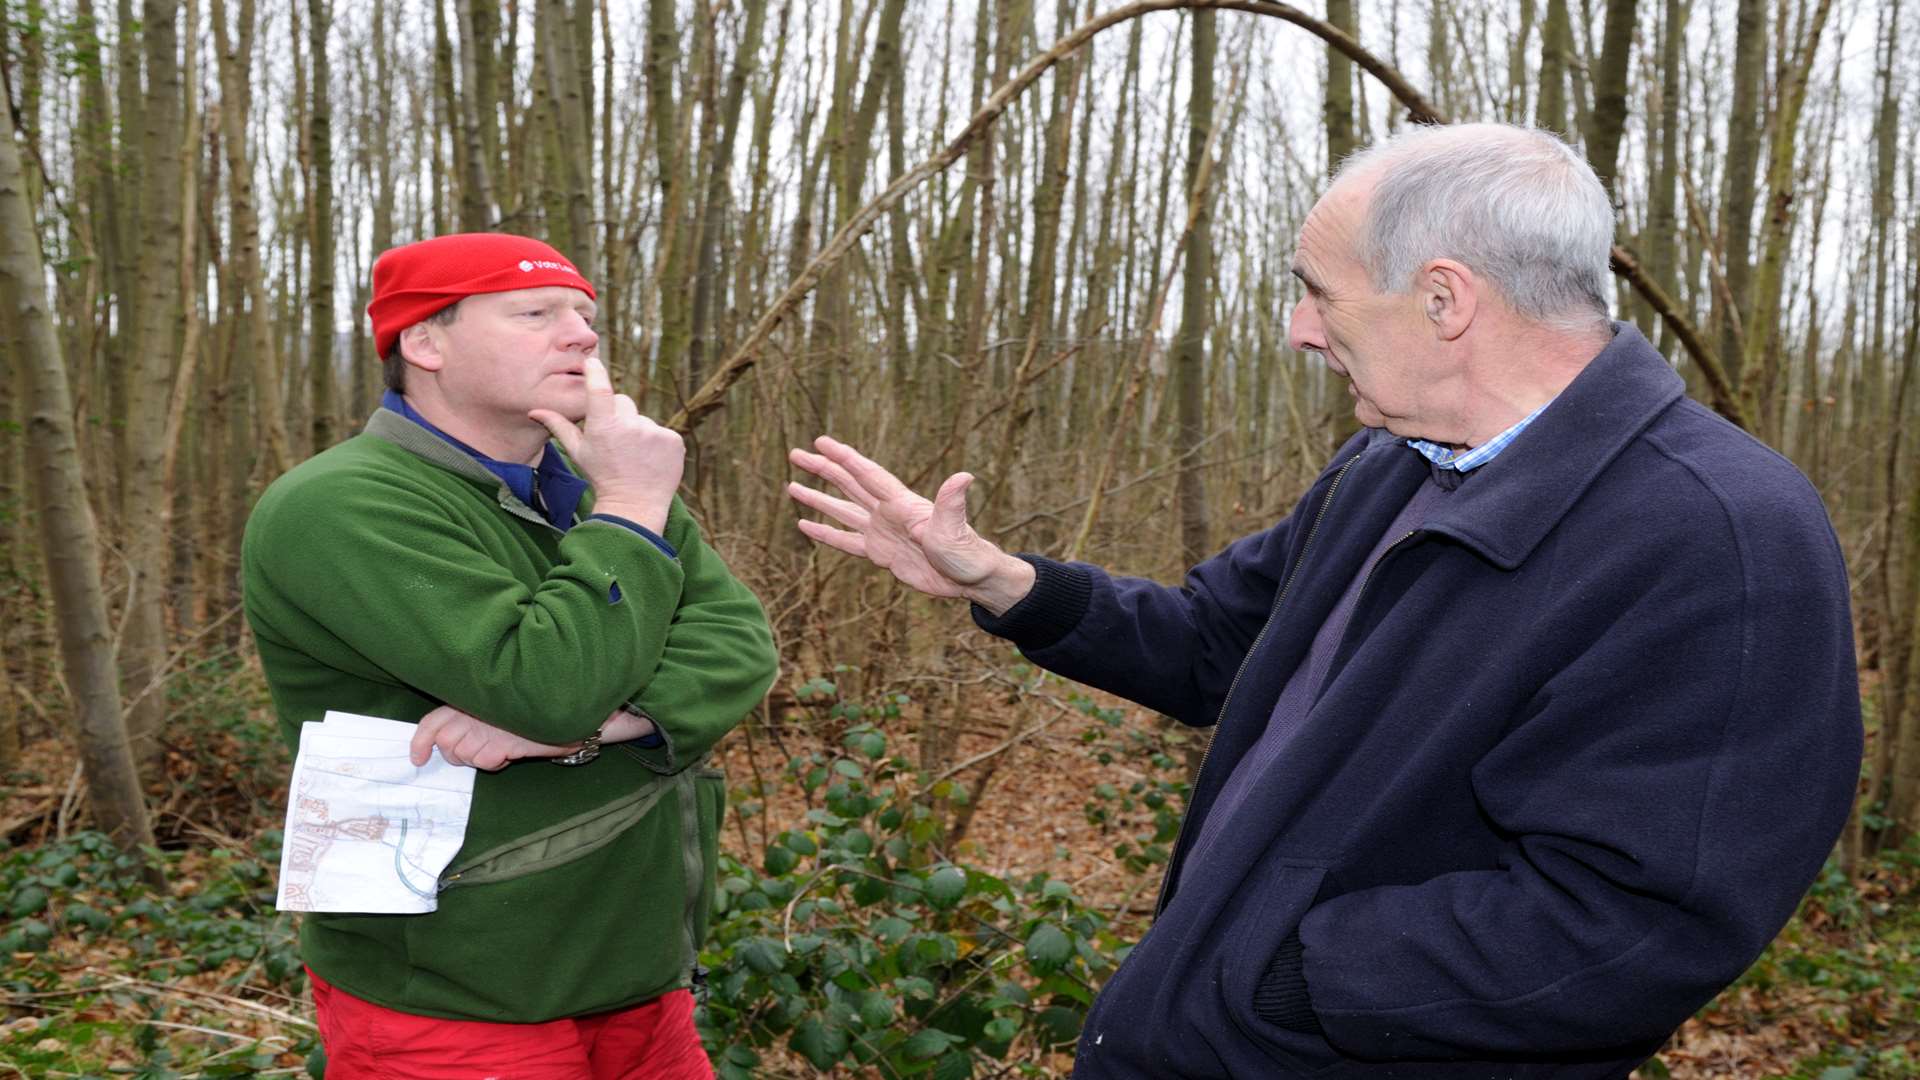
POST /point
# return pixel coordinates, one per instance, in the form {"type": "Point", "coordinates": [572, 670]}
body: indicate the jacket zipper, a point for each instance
{"type": "Point", "coordinates": [1371, 570]}
{"type": "Point", "coordinates": [1166, 876]}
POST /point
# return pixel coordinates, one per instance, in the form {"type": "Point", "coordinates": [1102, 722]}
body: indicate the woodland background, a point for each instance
{"type": "Point", "coordinates": [800, 222]}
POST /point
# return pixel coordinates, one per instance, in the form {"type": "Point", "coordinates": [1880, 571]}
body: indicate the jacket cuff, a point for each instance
{"type": "Point", "coordinates": [647, 534]}
{"type": "Point", "coordinates": [654, 749]}
{"type": "Point", "coordinates": [1281, 999]}
{"type": "Point", "coordinates": [1049, 612]}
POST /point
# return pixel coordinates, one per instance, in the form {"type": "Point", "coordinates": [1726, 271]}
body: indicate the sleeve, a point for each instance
{"type": "Point", "coordinates": [717, 662]}
{"type": "Point", "coordinates": [1172, 649]}
{"type": "Point", "coordinates": [410, 578]}
{"type": "Point", "coordinates": [1671, 790]}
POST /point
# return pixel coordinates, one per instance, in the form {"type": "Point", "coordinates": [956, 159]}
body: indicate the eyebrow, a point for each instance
{"type": "Point", "coordinates": [1306, 278]}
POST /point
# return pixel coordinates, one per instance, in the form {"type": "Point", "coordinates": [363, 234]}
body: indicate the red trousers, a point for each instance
{"type": "Point", "coordinates": [654, 1041]}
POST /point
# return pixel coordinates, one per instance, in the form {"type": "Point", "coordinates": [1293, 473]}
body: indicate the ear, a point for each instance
{"type": "Point", "coordinates": [420, 348]}
{"type": "Point", "coordinates": [1449, 296]}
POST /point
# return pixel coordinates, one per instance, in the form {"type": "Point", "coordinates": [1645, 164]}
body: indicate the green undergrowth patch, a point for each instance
{"type": "Point", "coordinates": [1846, 971]}
{"type": "Point", "coordinates": [1856, 951]}
{"type": "Point", "coordinates": [106, 976]}
{"type": "Point", "coordinates": [854, 942]}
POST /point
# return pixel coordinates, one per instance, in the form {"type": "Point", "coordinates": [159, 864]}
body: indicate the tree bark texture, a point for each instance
{"type": "Point", "coordinates": [67, 535]}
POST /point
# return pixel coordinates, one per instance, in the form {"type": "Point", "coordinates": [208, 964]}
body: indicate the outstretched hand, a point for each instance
{"type": "Point", "coordinates": [927, 544]}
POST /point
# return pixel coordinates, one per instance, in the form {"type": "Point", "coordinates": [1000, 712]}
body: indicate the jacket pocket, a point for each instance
{"type": "Point", "coordinates": [564, 841]}
{"type": "Point", "coordinates": [703, 809]}
{"type": "Point", "coordinates": [1276, 897]}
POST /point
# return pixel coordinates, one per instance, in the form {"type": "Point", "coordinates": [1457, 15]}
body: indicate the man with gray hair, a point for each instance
{"type": "Point", "coordinates": [1535, 718]}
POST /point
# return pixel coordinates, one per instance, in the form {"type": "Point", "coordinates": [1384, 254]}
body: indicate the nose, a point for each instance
{"type": "Point", "coordinates": [1304, 331]}
{"type": "Point", "coordinates": [576, 332]}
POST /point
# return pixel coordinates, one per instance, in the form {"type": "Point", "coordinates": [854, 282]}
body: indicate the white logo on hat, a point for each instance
{"type": "Point", "coordinates": [526, 267]}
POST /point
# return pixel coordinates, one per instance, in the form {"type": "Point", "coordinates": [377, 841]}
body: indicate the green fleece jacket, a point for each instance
{"type": "Point", "coordinates": [391, 574]}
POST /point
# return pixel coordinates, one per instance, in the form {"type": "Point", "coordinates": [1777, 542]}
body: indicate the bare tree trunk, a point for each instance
{"type": "Point", "coordinates": [1609, 116]}
{"type": "Point", "coordinates": [1900, 726]}
{"type": "Point", "coordinates": [1190, 344]}
{"type": "Point", "coordinates": [1743, 163]}
{"type": "Point", "coordinates": [663, 118]}
{"type": "Point", "coordinates": [123, 173]}
{"type": "Point", "coordinates": [323, 395]}
{"type": "Point", "coordinates": [1662, 220]}
{"type": "Point", "coordinates": [1556, 43]}
{"type": "Point", "coordinates": [575, 131]}
{"type": "Point", "coordinates": [16, 649]}
{"type": "Point", "coordinates": [1762, 329]}
{"type": "Point", "coordinates": [153, 351]}
{"type": "Point", "coordinates": [67, 539]}
{"type": "Point", "coordinates": [236, 95]}
{"type": "Point", "coordinates": [719, 163]}
{"type": "Point", "coordinates": [1338, 112]}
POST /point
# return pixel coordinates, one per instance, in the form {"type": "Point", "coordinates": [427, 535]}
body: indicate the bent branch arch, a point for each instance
{"type": "Point", "coordinates": [712, 394]}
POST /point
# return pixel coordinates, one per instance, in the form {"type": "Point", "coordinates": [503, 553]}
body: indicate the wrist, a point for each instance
{"type": "Point", "coordinates": [626, 724]}
{"type": "Point", "coordinates": [650, 514]}
{"type": "Point", "coordinates": [1007, 584]}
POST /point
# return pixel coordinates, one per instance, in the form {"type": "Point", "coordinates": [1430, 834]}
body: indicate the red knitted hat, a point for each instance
{"type": "Point", "coordinates": [412, 282]}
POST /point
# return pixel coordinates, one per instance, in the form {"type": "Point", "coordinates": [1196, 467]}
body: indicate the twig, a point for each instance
{"type": "Point", "coordinates": [711, 396]}
{"type": "Point", "coordinates": [786, 920]}
{"type": "Point", "coordinates": [66, 803]}
{"type": "Point", "coordinates": [184, 991]}
{"type": "Point", "coordinates": [1725, 401]}
{"type": "Point", "coordinates": [1012, 741]}
{"type": "Point", "coordinates": [254, 1040]}
{"type": "Point", "coordinates": [165, 671]}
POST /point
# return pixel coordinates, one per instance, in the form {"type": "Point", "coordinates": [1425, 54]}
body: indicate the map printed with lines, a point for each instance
{"type": "Point", "coordinates": [368, 832]}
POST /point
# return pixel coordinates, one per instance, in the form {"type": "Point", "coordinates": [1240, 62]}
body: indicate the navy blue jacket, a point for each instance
{"type": "Point", "coordinates": [1587, 739]}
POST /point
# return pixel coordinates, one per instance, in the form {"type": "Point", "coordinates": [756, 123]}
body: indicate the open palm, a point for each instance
{"type": "Point", "coordinates": [926, 543]}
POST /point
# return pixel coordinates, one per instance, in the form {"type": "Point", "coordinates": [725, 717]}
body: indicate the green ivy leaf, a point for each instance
{"type": "Point", "coordinates": [953, 1065]}
{"type": "Point", "coordinates": [1058, 1026]}
{"type": "Point", "coordinates": [780, 860]}
{"type": "Point", "coordinates": [927, 1043]}
{"type": "Point", "coordinates": [27, 900]}
{"type": "Point", "coordinates": [818, 1043]}
{"type": "Point", "coordinates": [890, 929]}
{"type": "Point", "coordinates": [947, 885]}
{"type": "Point", "coordinates": [1048, 947]}
{"type": "Point", "coordinates": [876, 1010]}
{"type": "Point", "coordinates": [914, 986]}
{"type": "Point", "coordinates": [760, 954]}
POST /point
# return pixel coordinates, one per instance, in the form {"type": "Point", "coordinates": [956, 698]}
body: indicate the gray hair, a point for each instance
{"type": "Point", "coordinates": [1516, 205]}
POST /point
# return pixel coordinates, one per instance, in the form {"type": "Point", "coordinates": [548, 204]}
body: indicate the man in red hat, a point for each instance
{"type": "Point", "coordinates": [567, 631]}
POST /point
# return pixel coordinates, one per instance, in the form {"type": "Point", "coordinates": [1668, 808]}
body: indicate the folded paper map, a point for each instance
{"type": "Point", "coordinates": [367, 831]}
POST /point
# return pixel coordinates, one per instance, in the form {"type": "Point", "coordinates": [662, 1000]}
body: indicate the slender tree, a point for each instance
{"type": "Point", "coordinates": [67, 535]}
{"type": "Point", "coordinates": [1190, 342]}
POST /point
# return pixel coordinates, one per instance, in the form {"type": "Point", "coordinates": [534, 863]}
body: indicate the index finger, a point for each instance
{"type": "Point", "coordinates": [420, 748]}
{"type": "Point", "coordinates": [599, 389]}
{"type": "Point", "coordinates": [882, 484]}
